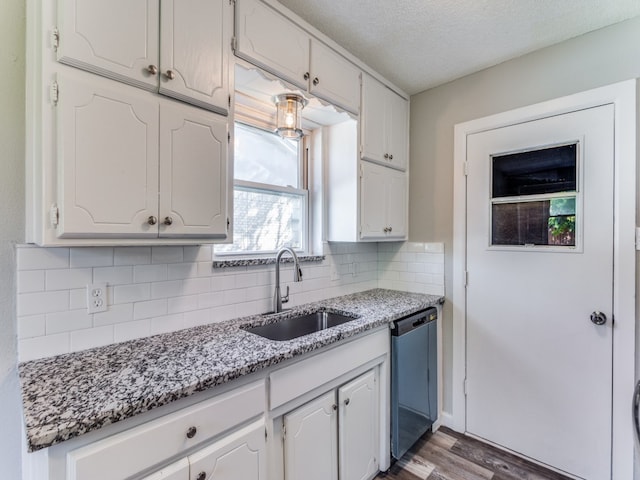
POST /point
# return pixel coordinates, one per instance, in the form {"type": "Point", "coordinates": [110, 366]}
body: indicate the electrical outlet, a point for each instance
{"type": "Point", "coordinates": [97, 297]}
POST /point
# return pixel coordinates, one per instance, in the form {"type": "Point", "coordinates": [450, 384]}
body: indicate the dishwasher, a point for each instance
{"type": "Point", "coordinates": [414, 384]}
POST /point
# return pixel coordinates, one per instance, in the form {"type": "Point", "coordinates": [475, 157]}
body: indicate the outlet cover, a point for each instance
{"type": "Point", "coordinates": [96, 297]}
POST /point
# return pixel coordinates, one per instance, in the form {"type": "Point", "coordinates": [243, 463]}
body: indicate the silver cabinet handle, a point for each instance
{"type": "Point", "coordinates": [598, 318]}
{"type": "Point", "coordinates": [306, 75]}
{"type": "Point", "coordinates": [334, 406]}
{"type": "Point", "coordinates": [201, 476]}
{"type": "Point", "coordinates": [347, 401]}
{"type": "Point", "coordinates": [152, 69]}
{"type": "Point", "coordinates": [192, 432]}
{"type": "Point", "coordinates": [168, 220]}
{"type": "Point", "coordinates": [152, 220]}
{"type": "Point", "coordinates": [170, 75]}
{"type": "Point", "coordinates": [386, 155]}
{"type": "Point", "coordinates": [390, 157]}
{"type": "Point", "coordinates": [316, 81]}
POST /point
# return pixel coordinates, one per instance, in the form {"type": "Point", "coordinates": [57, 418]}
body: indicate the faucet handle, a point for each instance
{"type": "Point", "coordinates": [299, 276]}
{"type": "Point", "coordinates": [285, 298]}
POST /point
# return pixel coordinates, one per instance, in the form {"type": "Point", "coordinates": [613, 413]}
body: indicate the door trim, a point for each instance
{"type": "Point", "coordinates": [623, 96]}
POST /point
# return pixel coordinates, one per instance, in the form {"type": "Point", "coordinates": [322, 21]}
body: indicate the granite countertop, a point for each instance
{"type": "Point", "coordinates": [68, 395]}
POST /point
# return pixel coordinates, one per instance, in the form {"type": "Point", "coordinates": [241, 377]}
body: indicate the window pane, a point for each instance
{"type": "Point", "coordinates": [264, 157]}
{"type": "Point", "coordinates": [549, 170]}
{"type": "Point", "coordinates": [266, 221]}
{"type": "Point", "coordinates": [545, 222]}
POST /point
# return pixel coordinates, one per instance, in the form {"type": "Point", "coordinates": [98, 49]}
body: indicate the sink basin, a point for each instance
{"type": "Point", "coordinates": [301, 325]}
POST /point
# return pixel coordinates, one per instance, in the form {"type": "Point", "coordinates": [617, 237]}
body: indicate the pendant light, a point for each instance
{"type": "Point", "coordinates": [289, 115]}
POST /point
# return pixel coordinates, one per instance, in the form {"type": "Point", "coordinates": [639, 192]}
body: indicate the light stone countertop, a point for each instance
{"type": "Point", "coordinates": [72, 394]}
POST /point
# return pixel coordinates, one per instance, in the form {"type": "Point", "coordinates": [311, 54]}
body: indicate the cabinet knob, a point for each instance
{"type": "Point", "coordinates": [152, 220]}
{"type": "Point", "coordinates": [316, 81]}
{"type": "Point", "coordinates": [334, 406]}
{"type": "Point", "coordinates": [386, 155]}
{"type": "Point", "coordinates": [201, 476]}
{"type": "Point", "coordinates": [170, 75]}
{"type": "Point", "coordinates": [390, 229]}
{"type": "Point", "coordinates": [168, 220]}
{"type": "Point", "coordinates": [386, 229]}
{"type": "Point", "coordinates": [192, 432]}
{"type": "Point", "coordinates": [347, 401]}
{"type": "Point", "coordinates": [306, 75]}
{"type": "Point", "coordinates": [152, 69]}
{"type": "Point", "coordinates": [390, 157]}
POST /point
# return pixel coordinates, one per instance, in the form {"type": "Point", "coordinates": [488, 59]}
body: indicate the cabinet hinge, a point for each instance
{"type": "Point", "coordinates": [228, 223]}
{"type": "Point", "coordinates": [466, 278]}
{"type": "Point", "coordinates": [229, 101]}
{"type": "Point", "coordinates": [284, 431]}
{"type": "Point", "coordinates": [265, 433]}
{"type": "Point", "coordinates": [55, 38]}
{"type": "Point", "coordinates": [234, 43]}
{"type": "Point", "coordinates": [465, 168]}
{"type": "Point", "coordinates": [464, 385]}
{"type": "Point", "coordinates": [54, 93]}
{"type": "Point", "coordinates": [228, 137]}
{"type": "Point", "coordinates": [232, 2]}
{"type": "Point", "coordinates": [54, 215]}
{"type": "Point", "coordinates": [361, 171]}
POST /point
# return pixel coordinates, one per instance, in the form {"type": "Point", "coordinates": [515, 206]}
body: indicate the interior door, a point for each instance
{"type": "Point", "coordinates": [539, 363]}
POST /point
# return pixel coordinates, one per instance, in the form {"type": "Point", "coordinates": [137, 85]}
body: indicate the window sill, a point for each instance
{"type": "Point", "coordinates": [253, 261]}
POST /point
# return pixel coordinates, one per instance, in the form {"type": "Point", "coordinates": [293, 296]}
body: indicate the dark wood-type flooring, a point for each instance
{"type": "Point", "coordinates": [447, 455]}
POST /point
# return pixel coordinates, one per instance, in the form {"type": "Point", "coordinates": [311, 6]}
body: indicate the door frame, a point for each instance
{"type": "Point", "coordinates": [623, 96]}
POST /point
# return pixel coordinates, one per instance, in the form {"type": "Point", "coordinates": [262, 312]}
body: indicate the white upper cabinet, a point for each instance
{"type": "Point", "coordinates": [383, 203]}
{"type": "Point", "coordinates": [384, 125]}
{"type": "Point", "coordinates": [271, 41]}
{"type": "Point", "coordinates": [177, 48]}
{"type": "Point", "coordinates": [193, 172]}
{"type": "Point", "coordinates": [133, 165]}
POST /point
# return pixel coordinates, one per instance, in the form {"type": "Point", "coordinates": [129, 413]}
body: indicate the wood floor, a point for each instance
{"type": "Point", "coordinates": [447, 455]}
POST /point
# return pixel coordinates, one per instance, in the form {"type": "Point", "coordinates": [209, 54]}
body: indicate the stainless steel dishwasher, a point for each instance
{"type": "Point", "coordinates": [414, 389]}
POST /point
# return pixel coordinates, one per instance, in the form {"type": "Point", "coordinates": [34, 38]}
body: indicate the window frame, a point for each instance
{"type": "Point", "coordinates": [302, 192]}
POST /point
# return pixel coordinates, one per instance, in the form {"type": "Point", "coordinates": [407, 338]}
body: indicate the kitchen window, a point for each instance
{"type": "Point", "coordinates": [270, 194]}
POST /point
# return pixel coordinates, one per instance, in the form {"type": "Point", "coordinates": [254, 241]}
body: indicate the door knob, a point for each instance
{"type": "Point", "coordinates": [598, 318]}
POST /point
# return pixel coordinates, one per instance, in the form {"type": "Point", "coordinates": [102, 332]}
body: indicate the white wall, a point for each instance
{"type": "Point", "coordinates": [592, 60]}
{"type": "Point", "coordinates": [12, 61]}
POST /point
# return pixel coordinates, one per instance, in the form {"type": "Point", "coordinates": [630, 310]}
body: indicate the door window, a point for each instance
{"type": "Point", "coordinates": [534, 195]}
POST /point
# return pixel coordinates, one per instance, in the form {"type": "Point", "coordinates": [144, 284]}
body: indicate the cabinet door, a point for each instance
{"type": "Point", "coordinates": [271, 41]}
{"type": "Point", "coordinates": [176, 471]}
{"type": "Point", "coordinates": [311, 440]}
{"type": "Point", "coordinates": [372, 120]}
{"type": "Point", "coordinates": [334, 78]}
{"type": "Point", "coordinates": [107, 159]}
{"type": "Point", "coordinates": [373, 208]}
{"type": "Point", "coordinates": [397, 201]}
{"type": "Point", "coordinates": [193, 172]}
{"type": "Point", "coordinates": [194, 45]}
{"type": "Point", "coordinates": [398, 130]}
{"type": "Point", "coordinates": [240, 455]}
{"type": "Point", "coordinates": [358, 429]}
{"type": "Point", "coordinates": [114, 38]}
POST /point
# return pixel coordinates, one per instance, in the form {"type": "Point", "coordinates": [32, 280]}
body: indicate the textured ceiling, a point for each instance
{"type": "Point", "coordinates": [419, 44]}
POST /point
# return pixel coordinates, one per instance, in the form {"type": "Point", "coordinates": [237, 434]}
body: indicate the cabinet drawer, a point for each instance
{"type": "Point", "coordinates": [296, 380]}
{"type": "Point", "coordinates": [135, 450]}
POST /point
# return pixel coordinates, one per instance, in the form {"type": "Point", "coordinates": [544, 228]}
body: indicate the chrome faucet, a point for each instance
{"type": "Point", "coordinates": [278, 299]}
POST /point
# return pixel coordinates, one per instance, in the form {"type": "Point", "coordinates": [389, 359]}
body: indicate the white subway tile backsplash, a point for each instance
{"type": "Point", "coordinates": [150, 309]}
{"type": "Point", "coordinates": [131, 330]}
{"type": "Point", "coordinates": [45, 346]}
{"type": "Point", "coordinates": [149, 273]}
{"type": "Point", "coordinates": [113, 275]}
{"type": "Point", "coordinates": [31, 326]}
{"type": "Point", "coordinates": [67, 279]}
{"type": "Point", "coordinates": [68, 321]}
{"type": "Point", "coordinates": [42, 302]}
{"type": "Point", "coordinates": [120, 313]}
{"type": "Point", "coordinates": [131, 293]}
{"type": "Point", "coordinates": [91, 257]}
{"type": "Point", "coordinates": [132, 256]}
{"type": "Point", "coordinates": [161, 289]}
{"type": "Point", "coordinates": [92, 337]}
{"type": "Point", "coordinates": [172, 254]}
{"type": "Point", "coordinates": [30, 281]}
{"type": "Point", "coordinates": [34, 258]}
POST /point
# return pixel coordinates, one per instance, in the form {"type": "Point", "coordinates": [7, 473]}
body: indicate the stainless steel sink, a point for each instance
{"type": "Point", "coordinates": [300, 325]}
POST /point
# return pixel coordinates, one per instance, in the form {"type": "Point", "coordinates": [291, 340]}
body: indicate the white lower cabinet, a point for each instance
{"type": "Point", "coordinates": [240, 455]}
{"type": "Point", "coordinates": [335, 435]}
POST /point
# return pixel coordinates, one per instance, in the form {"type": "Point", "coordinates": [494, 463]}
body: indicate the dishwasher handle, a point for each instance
{"type": "Point", "coordinates": [416, 320]}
